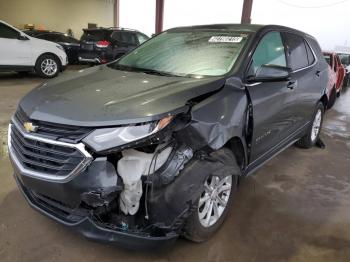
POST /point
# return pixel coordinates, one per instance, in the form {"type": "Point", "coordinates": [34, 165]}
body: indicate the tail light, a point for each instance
{"type": "Point", "coordinates": [103, 43]}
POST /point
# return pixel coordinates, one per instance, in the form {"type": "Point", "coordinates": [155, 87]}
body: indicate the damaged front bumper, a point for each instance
{"type": "Point", "coordinates": [92, 230]}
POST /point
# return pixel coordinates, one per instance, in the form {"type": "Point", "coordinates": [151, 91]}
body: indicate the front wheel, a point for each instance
{"type": "Point", "coordinates": [213, 206]}
{"type": "Point", "coordinates": [47, 66]}
{"type": "Point", "coordinates": [310, 139]}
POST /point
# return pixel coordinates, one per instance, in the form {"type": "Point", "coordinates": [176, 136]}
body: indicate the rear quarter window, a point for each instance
{"type": "Point", "coordinates": [125, 37]}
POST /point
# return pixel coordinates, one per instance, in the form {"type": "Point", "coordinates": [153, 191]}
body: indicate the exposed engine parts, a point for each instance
{"type": "Point", "coordinates": [174, 164]}
{"type": "Point", "coordinates": [131, 167]}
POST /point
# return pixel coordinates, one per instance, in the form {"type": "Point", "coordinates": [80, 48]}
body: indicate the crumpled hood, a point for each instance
{"type": "Point", "coordinates": [102, 96]}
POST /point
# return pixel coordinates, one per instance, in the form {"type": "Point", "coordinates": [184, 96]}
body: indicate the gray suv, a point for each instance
{"type": "Point", "coordinates": [140, 151]}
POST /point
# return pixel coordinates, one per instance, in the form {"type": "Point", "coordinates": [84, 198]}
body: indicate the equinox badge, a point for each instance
{"type": "Point", "coordinates": [29, 127]}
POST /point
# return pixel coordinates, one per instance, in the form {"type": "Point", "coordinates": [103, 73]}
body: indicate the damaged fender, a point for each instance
{"type": "Point", "coordinates": [218, 118]}
{"type": "Point", "coordinates": [170, 205]}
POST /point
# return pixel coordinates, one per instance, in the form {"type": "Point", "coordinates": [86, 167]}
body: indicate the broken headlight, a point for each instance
{"type": "Point", "coordinates": [106, 138]}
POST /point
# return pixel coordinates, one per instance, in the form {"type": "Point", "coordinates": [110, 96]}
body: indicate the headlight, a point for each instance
{"type": "Point", "coordinates": [60, 47]}
{"type": "Point", "coordinates": [106, 138]}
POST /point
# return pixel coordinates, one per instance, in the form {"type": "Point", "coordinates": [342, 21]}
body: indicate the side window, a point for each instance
{"type": "Point", "coordinates": [297, 53]}
{"type": "Point", "coordinates": [129, 38]}
{"type": "Point", "coordinates": [270, 51]}
{"type": "Point", "coordinates": [142, 38]}
{"type": "Point", "coordinates": [310, 55]}
{"type": "Point", "coordinates": [123, 37]}
{"type": "Point", "coordinates": [71, 40]}
{"type": "Point", "coordinates": [8, 32]}
{"type": "Point", "coordinates": [49, 37]}
{"type": "Point", "coordinates": [117, 36]}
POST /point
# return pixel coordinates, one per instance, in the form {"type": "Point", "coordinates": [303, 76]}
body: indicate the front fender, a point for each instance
{"type": "Point", "coordinates": [218, 118]}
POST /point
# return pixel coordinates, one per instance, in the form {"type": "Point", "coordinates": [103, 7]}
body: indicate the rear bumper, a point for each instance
{"type": "Point", "coordinates": [91, 230]}
{"type": "Point", "coordinates": [97, 57]}
{"type": "Point", "coordinates": [95, 60]}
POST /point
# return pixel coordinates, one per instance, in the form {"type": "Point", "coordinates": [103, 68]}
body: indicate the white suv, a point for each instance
{"type": "Point", "coordinates": [22, 53]}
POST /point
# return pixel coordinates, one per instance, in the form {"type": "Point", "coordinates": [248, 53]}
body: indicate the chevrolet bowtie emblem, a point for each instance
{"type": "Point", "coordinates": [29, 127]}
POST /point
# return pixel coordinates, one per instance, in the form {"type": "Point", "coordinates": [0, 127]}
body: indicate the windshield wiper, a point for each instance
{"type": "Point", "coordinates": [144, 70]}
{"type": "Point", "coordinates": [156, 72]}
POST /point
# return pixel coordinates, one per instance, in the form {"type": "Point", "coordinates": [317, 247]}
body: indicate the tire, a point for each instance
{"type": "Point", "coordinates": [23, 73]}
{"type": "Point", "coordinates": [346, 80]}
{"type": "Point", "coordinates": [310, 139]}
{"type": "Point", "coordinates": [332, 98]}
{"type": "Point", "coordinates": [194, 229]}
{"type": "Point", "coordinates": [47, 66]}
{"type": "Point", "coordinates": [338, 94]}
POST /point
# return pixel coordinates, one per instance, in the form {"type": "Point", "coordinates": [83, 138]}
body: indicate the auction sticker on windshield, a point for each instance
{"type": "Point", "coordinates": [225, 39]}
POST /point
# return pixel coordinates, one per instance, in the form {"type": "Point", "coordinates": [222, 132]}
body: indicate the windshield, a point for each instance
{"type": "Point", "coordinates": [207, 53]}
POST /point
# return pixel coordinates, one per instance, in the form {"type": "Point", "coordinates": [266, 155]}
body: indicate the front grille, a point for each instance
{"type": "Point", "coordinates": [43, 157]}
{"type": "Point", "coordinates": [55, 131]}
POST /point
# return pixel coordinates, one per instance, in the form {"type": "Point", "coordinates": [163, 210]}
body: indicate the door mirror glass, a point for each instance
{"type": "Point", "coordinates": [270, 73]}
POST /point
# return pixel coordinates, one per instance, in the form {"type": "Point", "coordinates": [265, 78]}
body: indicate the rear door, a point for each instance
{"type": "Point", "coordinates": [273, 114]}
{"type": "Point", "coordinates": [305, 75]}
{"type": "Point", "coordinates": [13, 52]}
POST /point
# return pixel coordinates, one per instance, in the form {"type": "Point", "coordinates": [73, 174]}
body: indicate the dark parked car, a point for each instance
{"type": "Point", "coordinates": [345, 60]}
{"type": "Point", "coordinates": [70, 44]}
{"type": "Point", "coordinates": [152, 146]}
{"type": "Point", "coordinates": [102, 45]}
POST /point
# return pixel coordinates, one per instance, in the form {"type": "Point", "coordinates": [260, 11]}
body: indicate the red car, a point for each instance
{"type": "Point", "coordinates": [336, 77]}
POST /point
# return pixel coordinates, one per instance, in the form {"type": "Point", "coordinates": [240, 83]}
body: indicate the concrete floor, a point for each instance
{"type": "Point", "coordinates": [295, 208]}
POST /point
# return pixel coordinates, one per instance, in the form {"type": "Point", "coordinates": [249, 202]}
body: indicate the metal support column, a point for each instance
{"type": "Point", "coordinates": [116, 12]}
{"type": "Point", "coordinates": [159, 16]}
{"type": "Point", "coordinates": [247, 11]}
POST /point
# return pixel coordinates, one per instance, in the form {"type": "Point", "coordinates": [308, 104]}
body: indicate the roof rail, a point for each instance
{"type": "Point", "coordinates": [122, 28]}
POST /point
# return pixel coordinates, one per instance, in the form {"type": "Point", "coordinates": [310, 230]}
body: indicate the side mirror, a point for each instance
{"type": "Point", "coordinates": [270, 73]}
{"type": "Point", "coordinates": [22, 37]}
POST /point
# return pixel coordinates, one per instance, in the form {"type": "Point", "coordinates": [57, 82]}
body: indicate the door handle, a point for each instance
{"type": "Point", "coordinates": [292, 84]}
{"type": "Point", "coordinates": [318, 73]}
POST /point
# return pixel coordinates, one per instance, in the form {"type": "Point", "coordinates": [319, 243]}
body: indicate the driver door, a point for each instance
{"type": "Point", "coordinates": [273, 112]}
{"type": "Point", "coordinates": [13, 51]}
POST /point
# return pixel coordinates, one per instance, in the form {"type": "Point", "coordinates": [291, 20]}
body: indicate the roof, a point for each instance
{"type": "Point", "coordinates": [233, 27]}
{"type": "Point", "coordinates": [110, 28]}
{"type": "Point", "coordinates": [39, 32]}
{"type": "Point", "coordinates": [253, 28]}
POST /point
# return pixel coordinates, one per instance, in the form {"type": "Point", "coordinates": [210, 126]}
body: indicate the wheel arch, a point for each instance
{"type": "Point", "coordinates": [236, 145]}
{"type": "Point", "coordinates": [324, 100]}
{"type": "Point", "coordinates": [54, 55]}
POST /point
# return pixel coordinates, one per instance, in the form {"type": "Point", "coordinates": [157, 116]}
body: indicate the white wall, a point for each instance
{"type": "Point", "coordinates": [138, 14]}
{"type": "Point", "coordinates": [58, 15]}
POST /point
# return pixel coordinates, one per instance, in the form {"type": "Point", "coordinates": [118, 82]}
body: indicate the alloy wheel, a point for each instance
{"type": "Point", "coordinates": [316, 125]}
{"type": "Point", "coordinates": [49, 67]}
{"type": "Point", "coordinates": [214, 199]}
